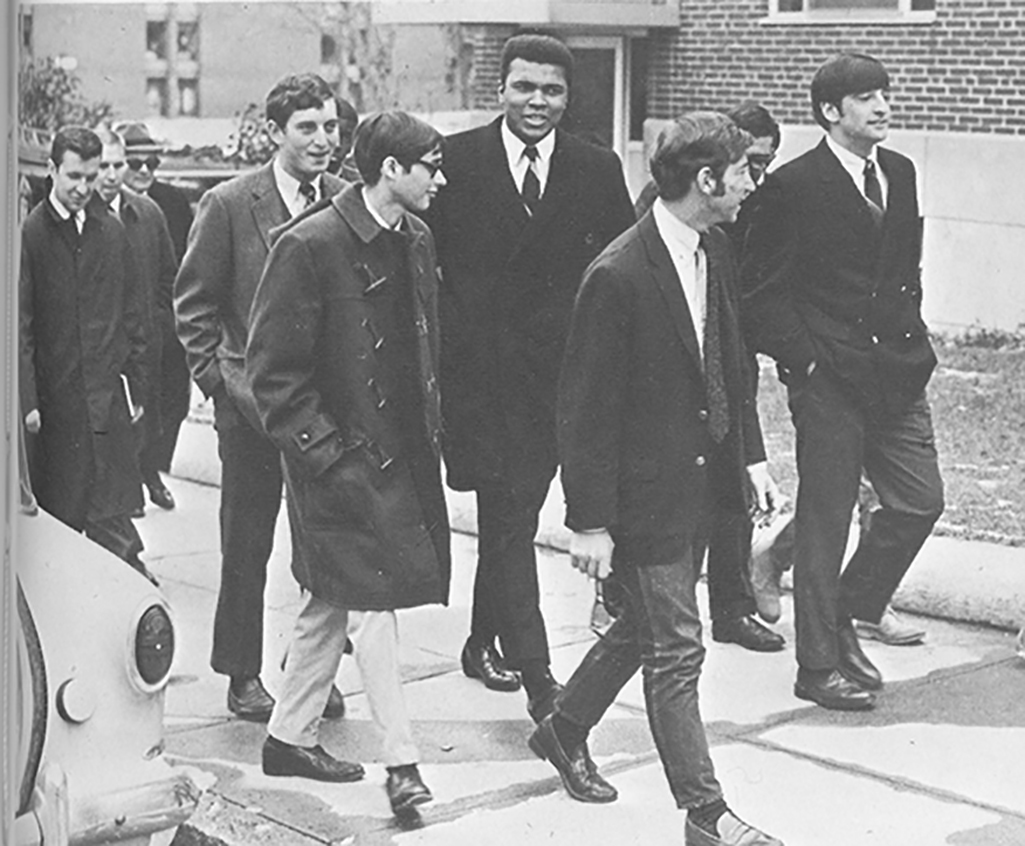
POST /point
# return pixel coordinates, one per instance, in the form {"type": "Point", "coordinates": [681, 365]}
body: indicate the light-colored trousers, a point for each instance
{"type": "Point", "coordinates": [318, 642]}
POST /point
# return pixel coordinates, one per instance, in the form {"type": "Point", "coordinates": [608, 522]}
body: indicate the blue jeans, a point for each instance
{"type": "Point", "coordinates": [659, 630]}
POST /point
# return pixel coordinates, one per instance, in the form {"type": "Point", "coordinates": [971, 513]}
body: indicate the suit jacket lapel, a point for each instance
{"type": "Point", "coordinates": [841, 192]}
{"type": "Point", "coordinates": [668, 282]}
{"type": "Point", "coordinates": [269, 209]}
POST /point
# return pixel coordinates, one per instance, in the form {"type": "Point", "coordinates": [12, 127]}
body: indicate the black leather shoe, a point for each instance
{"type": "Point", "coordinates": [543, 704]}
{"type": "Point", "coordinates": [284, 759]}
{"type": "Point", "coordinates": [160, 495]}
{"type": "Point", "coordinates": [249, 700]}
{"type": "Point", "coordinates": [746, 631]}
{"type": "Point", "coordinates": [481, 661]}
{"type": "Point", "coordinates": [832, 689]}
{"type": "Point", "coordinates": [854, 663]}
{"type": "Point", "coordinates": [405, 788]}
{"type": "Point", "coordinates": [335, 708]}
{"type": "Point", "coordinates": [578, 773]}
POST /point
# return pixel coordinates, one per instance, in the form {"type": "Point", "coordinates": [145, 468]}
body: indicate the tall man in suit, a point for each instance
{"type": "Point", "coordinates": [657, 429]}
{"type": "Point", "coordinates": [227, 248]}
{"type": "Point", "coordinates": [526, 209]}
{"type": "Point", "coordinates": [835, 298]}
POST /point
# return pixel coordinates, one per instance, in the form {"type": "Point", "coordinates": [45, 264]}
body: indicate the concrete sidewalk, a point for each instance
{"type": "Point", "coordinates": [940, 761]}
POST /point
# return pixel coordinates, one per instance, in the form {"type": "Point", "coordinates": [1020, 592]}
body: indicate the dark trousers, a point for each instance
{"type": "Point", "coordinates": [729, 551]}
{"type": "Point", "coordinates": [506, 598]}
{"type": "Point", "coordinates": [659, 630]}
{"type": "Point", "coordinates": [836, 439]}
{"type": "Point", "coordinates": [172, 394]}
{"type": "Point", "coordinates": [250, 500]}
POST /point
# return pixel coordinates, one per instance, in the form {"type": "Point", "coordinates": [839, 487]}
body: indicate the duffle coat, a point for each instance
{"type": "Point", "coordinates": [342, 360]}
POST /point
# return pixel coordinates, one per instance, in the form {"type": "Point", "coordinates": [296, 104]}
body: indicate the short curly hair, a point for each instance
{"type": "Point", "coordinates": [689, 144]}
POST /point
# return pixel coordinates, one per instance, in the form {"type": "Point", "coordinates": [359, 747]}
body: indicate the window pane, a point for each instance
{"type": "Point", "coordinates": [156, 40]}
{"type": "Point", "coordinates": [791, 5]}
{"type": "Point", "coordinates": [923, 5]}
{"type": "Point", "coordinates": [821, 5]}
{"type": "Point", "coordinates": [188, 41]}
{"type": "Point", "coordinates": [156, 97]}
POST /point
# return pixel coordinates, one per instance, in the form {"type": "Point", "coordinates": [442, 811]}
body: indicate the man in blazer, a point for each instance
{"type": "Point", "coordinates": [526, 209]}
{"type": "Point", "coordinates": [835, 297]}
{"type": "Point", "coordinates": [658, 429]}
{"type": "Point", "coordinates": [228, 245]}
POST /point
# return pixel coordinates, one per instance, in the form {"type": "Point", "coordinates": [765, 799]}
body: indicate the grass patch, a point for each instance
{"type": "Point", "coordinates": [978, 405]}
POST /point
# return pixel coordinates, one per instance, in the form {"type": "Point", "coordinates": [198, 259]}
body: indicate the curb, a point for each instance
{"type": "Point", "coordinates": [963, 580]}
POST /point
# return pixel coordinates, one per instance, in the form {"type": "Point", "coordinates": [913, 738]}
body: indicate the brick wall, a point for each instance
{"type": "Point", "coordinates": [964, 72]}
{"type": "Point", "coordinates": [487, 44]}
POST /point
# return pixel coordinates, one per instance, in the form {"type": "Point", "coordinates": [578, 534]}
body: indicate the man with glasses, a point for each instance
{"type": "Point", "coordinates": [227, 248]}
{"type": "Point", "coordinates": [342, 360]}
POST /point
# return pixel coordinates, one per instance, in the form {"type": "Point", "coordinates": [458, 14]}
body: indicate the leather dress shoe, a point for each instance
{"type": "Point", "coordinates": [481, 661]}
{"type": "Point", "coordinates": [576, 769]}
{"type": "Point", "coordinates": [335, 708]}
{"type": "Point", "coordinates": [832, 689]}
{"type": "Point", "coordinates": [854, 662]}
{"type": "Point", "coordinates": [891, 630]}
{"type": "Point", "coordinates": [160, 495]}
{"type": "Point", "coordinates": [249, 700]}
{"type": "Point", "coordinates": [284, 759]}
{"type": "Point", "coordinates": [405, 788]}
{"type": "Point", "coordinates": [543, 704]}
{"type": "Point", "coordinates": [730, 831]}
{"type": "Point", "coordinates": [746, 631]}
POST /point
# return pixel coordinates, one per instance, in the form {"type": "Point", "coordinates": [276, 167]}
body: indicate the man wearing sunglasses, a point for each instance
{"type": "Point", "coordinates": [227, 248]}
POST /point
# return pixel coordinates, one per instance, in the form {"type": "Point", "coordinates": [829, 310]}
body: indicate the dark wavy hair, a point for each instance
{"type": "Point", "coordinates": [843, 75]}
{"type": "Point", "coordinates": [294, 93]}
{"type": "Point", "coordinates": [540, 48]}
{"type": "Point", "coordinates": [755, 118]}
{"type": "Point", "coordinates": [689, 144]}
{"type": "Point", "coordinates": [395, 134]}
{"type": "Point", "coordinates": [78, 139]}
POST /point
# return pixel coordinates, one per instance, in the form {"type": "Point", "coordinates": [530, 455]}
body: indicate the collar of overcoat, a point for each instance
{"type": "Point", "coordinates": [269, 210]}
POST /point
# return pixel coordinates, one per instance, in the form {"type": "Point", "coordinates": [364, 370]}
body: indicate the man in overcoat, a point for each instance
{"type": "Point", "coordinates": [657, 429]}
{"type": "Point", "coordinates": [342, 360]}
{"type": "Point", "coordinates": [527, 208]}
{"type": "Point", "coordinates": [228, 245]}
{"type": "Point", "coordinates": [153, 257]}
{"type": "Point", "coordinates": [82, 352]}
{"type": "Point", "coordinates": [835, 297]}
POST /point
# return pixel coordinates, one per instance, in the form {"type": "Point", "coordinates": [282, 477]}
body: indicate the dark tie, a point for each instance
{"type": "Point", "coordinates": [309, 193]}
{"type": "Point", "coordinates": [531, 184]}
{"type": "Point", "coordinates": [874, 191]}
{"type": "Point", "coordinates": [715, 381]}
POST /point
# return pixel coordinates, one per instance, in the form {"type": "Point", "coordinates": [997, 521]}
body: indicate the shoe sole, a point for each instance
{"type": "Point", "coordinates": [909, 640]}
{"type": "Point", "coordinates": [538, 749]}
{"type": "Point", "coordinates": [357, 775]}
{"type": "Point", "coordinates": [252, 716]}
{"type": "Point", "coordinates": [412, 802]}
{"type": "Point", "coordinates": [751, 647]}
{"type": "Point", "coordinates": [834, 705]}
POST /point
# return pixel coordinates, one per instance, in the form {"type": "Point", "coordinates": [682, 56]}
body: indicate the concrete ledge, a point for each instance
{"type": "Point", "coordinates": [967, 581]}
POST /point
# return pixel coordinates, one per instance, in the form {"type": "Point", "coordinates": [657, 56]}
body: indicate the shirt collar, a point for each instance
{"type": "Point", "coordinates": [852, 162]}
{"type": "Point", "coordinates": [288, 185]}
{"type": "Point", "coordinates": [63, 212]}
{"type": "Point", "coordinates": [115, 204]}
{"type": "Point", "coordinates": [380, 220]}
{"type": "Point", "coordinates": [514, 146]}
{"type": "Point", "coordinates": [676, 234]}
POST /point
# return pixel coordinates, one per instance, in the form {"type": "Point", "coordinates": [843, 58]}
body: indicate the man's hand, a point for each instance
{"type": "Point", "coordinates": [33, 421]}
{"type": "Point", "coordinates": [766, 494]}
{"type": "Point", "coordinates": [591, 553]}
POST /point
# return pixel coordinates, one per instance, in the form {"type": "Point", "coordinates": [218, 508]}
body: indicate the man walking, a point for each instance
{"type": "Point", "coordinates": [527, 208]}
{"type": "Point", "coordinates": [835, 297]}
{"type": "Point", "coordinates": [657, 429]}
{"type": "Point", "coordinates": [342, 359]}
{"type": "Point", "coordinates": [228, 246]}
{"type": "Point", "coordinates": [83, 352]}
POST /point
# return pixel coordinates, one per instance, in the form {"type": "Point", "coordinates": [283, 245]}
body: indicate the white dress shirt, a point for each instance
{"type": "Point", "coordinates": [683, 244]}
{"type": "Point", "coordinates": [63, 212]}
{"type": "Point", "coordinates": [518, 163]}
{"type": "Point", "coordinates": [855, 166]}
{"type": "Point", "coordinates": [288, 188]}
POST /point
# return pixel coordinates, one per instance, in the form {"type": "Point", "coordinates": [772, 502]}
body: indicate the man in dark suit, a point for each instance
{"type": "Point", "coordinates": [342, 356]}
{"type": "Point", "coordinates": [82, 336]}
{"type": "Point", "coordinates": [155, 266]}
{"type": "Point", "coordinates": [526, 209]}
{"type": "Point", "coordinates": [658, 429]}
{"type": "Point", "coordinates": [171, 381]}
{"type": "Point", "coordinates": [228, 246]}
{"type": "Point", "coordinates": [835, 298]}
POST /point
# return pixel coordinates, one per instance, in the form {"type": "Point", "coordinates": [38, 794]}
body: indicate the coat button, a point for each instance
{"type": "Point", "coordinates": [702, 415]}
{"type": "Point", "coordinates": [304, 437]}
{"type": "Point", "coordinates": [700, 461]}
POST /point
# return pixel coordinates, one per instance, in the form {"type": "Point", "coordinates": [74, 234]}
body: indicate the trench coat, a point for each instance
{"type": "Point", "coordinates": [341, 362]}
{"type": "Point", "coordinates": [81, 327]}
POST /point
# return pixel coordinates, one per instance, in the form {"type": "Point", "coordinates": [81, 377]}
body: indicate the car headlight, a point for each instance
{"type": "Point", "coordinates": [154, 646]}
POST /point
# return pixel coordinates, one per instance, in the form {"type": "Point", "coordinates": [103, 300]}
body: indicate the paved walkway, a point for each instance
{"type": "Point", "coordinates": [940, 761]}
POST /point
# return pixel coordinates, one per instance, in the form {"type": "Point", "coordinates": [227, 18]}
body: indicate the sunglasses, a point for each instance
{"type": "Point", "coordinates": [152, 162]}
{"type": "Point", "coordinates": [760, 162]}
{"type": "Point", "coordinates": [432, 167]}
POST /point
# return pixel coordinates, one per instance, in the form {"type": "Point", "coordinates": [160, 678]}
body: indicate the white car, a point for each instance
{"type": "Point", "coordinates": [94, 650]}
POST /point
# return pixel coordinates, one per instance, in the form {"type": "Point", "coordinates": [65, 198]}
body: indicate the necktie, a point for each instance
{"type": "Point", "coordinates": [309, 193]}
{"type": "Point", "coordinates": [874, 191]}
{"type": "Point", "coordinates": [113, 210]}
{"type": "Point", "coordinates": [531, 184]}
{"type": "Point", "coordinates": [715, 382]}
